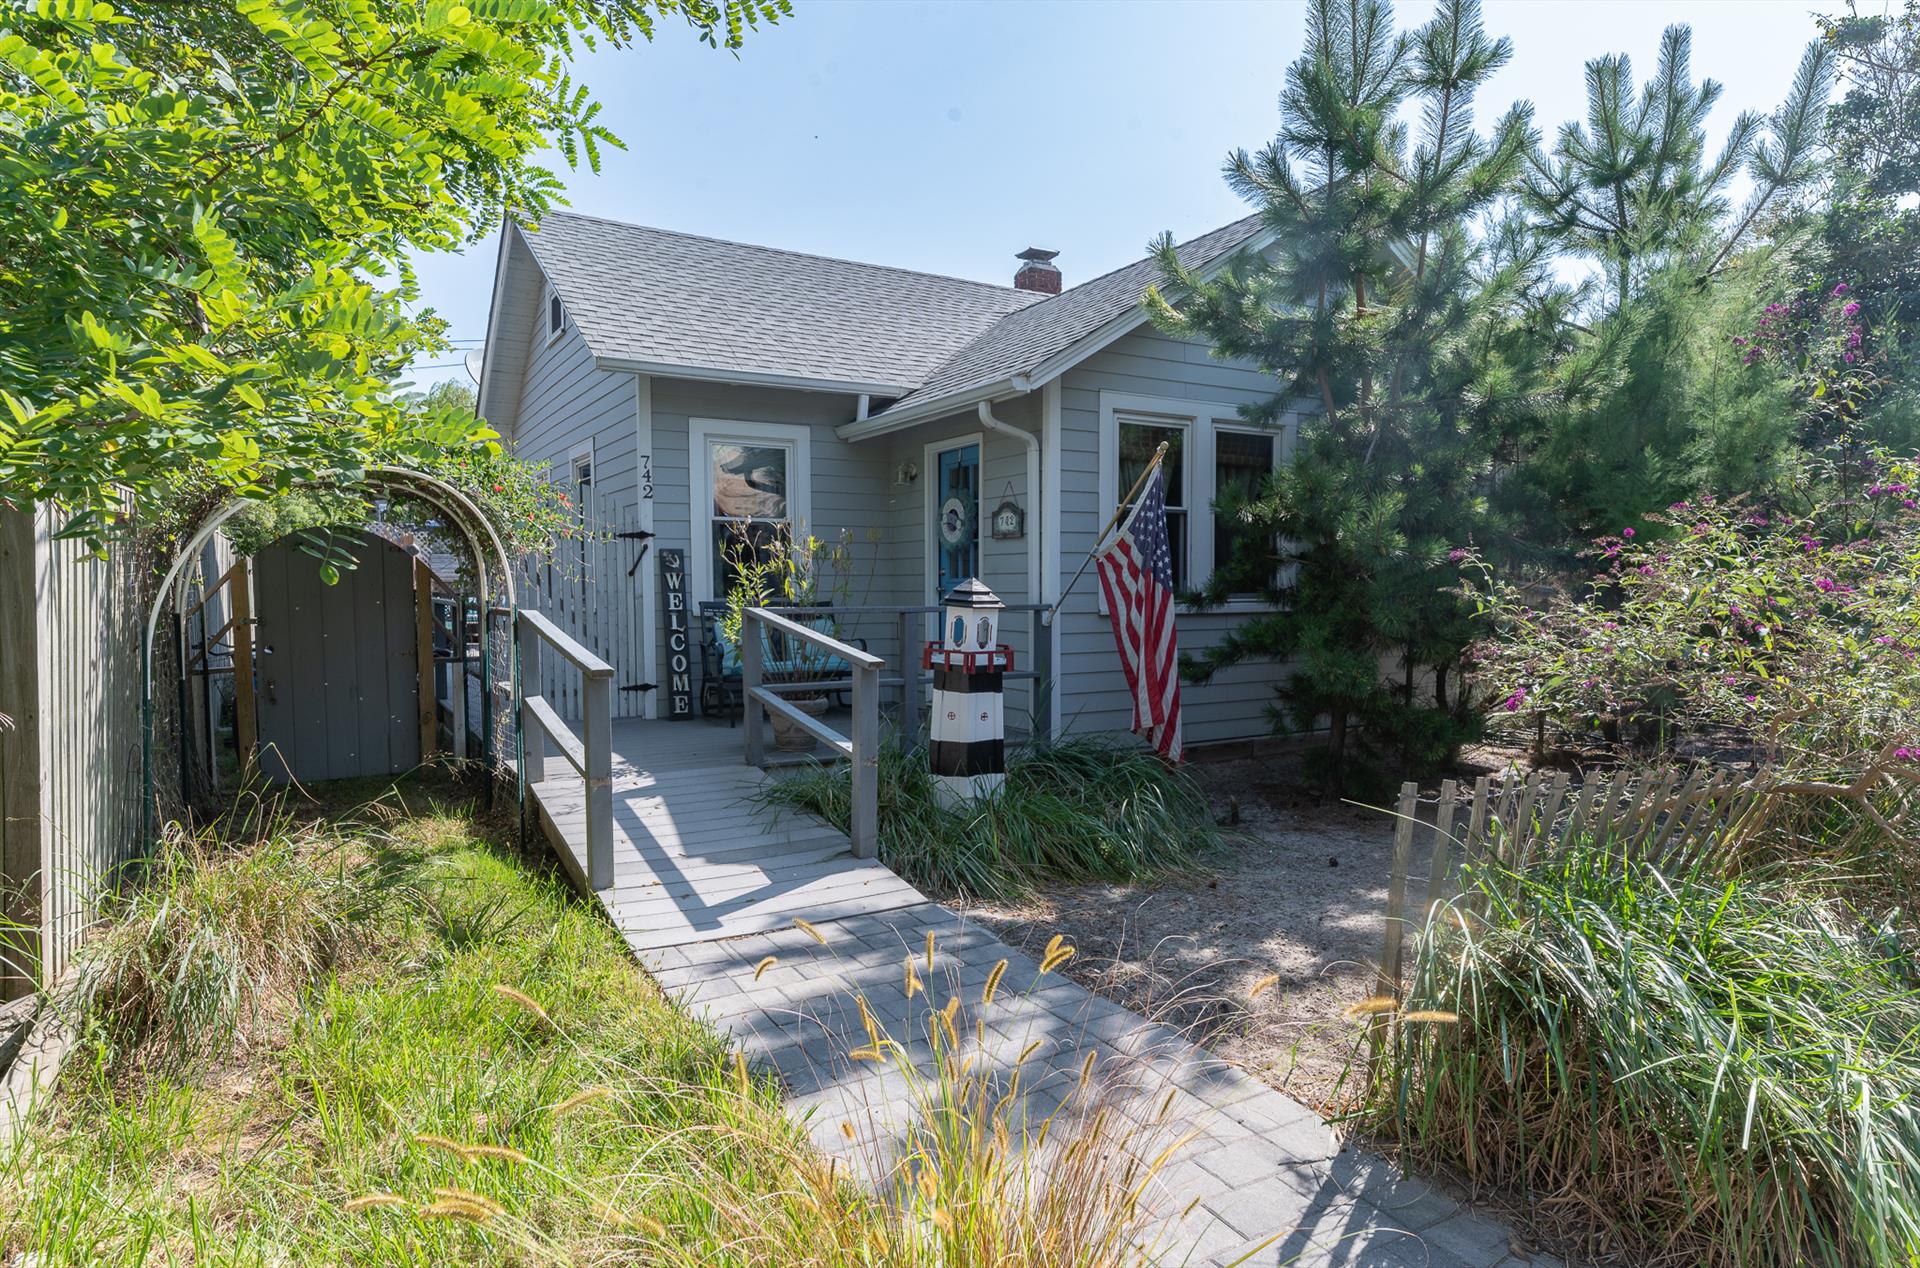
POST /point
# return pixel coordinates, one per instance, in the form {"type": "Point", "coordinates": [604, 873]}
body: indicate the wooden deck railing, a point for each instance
{"type": "Point", "coordinates": [862, 748]}
{"type": "Point", "coordinates": [591, 751]}
{"type": "Point", "coordinates": [907, 628]}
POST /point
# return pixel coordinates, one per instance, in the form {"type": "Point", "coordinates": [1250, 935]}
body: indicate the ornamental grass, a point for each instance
{"type": "Point", "coordinates": [1689, 1069]}
{"type": "Point", "coordinates": [1073, 811]}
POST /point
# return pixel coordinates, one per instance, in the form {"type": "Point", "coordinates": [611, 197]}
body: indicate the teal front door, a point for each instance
{"type": "Point", "coordinates": [956, 517]}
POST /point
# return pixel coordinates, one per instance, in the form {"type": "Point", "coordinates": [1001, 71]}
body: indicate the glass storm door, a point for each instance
{"type": "Point", "coordinates": [956, 517]}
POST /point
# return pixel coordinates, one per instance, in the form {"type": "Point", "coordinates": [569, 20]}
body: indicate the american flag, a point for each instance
{"type": "Point", "coordinates": [1136, 574]}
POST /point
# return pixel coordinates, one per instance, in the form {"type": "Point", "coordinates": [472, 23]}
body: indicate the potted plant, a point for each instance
{"type": "Point", "coordinates": [771, 565]}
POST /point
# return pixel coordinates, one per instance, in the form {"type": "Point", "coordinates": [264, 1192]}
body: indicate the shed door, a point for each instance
{"type": "Point", "coordinates": [336, 667]}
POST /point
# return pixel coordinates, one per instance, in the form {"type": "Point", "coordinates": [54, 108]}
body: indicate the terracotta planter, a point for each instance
{"type": "Point", "coordinates": [788, 737]}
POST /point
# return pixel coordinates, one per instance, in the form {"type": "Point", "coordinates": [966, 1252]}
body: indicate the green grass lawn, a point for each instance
{"type": "Point", "coordinates": [379, 1037]}
{"type": "Point", "coordinates": [435, 1055]}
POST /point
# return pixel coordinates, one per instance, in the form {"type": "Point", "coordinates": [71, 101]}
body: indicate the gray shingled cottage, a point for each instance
{"type": "Point", "coordinates": [955, 427]}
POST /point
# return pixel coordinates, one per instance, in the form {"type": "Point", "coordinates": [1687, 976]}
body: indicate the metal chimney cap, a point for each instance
{"type": "Point", "coordinates": [1034, 255]}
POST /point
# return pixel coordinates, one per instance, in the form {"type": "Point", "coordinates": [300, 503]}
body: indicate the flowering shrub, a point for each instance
{"type": "Point", "coordinates": [1820, 341]}
{"type": "Point", "coordinates": [1727, 618]}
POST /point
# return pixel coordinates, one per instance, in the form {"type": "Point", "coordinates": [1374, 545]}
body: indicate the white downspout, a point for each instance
{"type": "Point", "coordinates": [1034, 520]}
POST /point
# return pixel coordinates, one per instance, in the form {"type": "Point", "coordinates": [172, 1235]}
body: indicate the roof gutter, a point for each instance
{"type": "Point", "coordinates": [901, 417]}
{"type": "Point", "coordinates": [1034, 519]}
{"type": "Point", "coordinates": [750, 378]}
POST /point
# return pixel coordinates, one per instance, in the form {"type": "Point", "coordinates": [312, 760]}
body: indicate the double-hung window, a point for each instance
{"type": "Point", "coordinates": [1213, 457]}
{"type": "Point", "coordinates": [1242, 461]}
{"type": "Point", "coordinates": [1138, 437]}
{"type": "Point", "coordinates": [750, 482]}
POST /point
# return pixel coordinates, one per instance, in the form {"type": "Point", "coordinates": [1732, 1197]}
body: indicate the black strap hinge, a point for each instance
{"type": "Point", "coordinates": [640, 686]}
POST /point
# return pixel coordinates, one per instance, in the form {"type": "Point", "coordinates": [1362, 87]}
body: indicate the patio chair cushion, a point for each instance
{"type": "Point", "coordinates": [775, 666]}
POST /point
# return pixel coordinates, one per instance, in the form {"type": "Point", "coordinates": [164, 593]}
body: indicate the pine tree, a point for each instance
{"type": "Point", "coordinates": [1369, 306]}
{"type": "Point", "coordinates": [1632, 188]}
{"type": "Point", "coordinates": [1636, 189]}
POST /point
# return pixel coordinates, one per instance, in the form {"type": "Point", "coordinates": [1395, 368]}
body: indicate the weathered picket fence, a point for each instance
{"type": "Point", "coordinates": [1664, 817]}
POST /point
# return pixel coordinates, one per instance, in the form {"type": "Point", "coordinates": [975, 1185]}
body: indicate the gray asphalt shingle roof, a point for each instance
{"type": "Point", "coordinates": [675, 299]}
{"type": "Point", "coordinates": [1021, 341]}
{"type": "Point", "coordinates": [651, 295]}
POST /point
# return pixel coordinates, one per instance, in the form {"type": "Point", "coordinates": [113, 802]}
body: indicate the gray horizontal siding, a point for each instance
{"type": "Point", "coordinates": [849, 484]}
{"type": "Point", "coordinates": [1003, 564]}
{"type": "Point", "coordinates": [1234, 704]}
{"type": "Point", "coordinates": [567, 401]}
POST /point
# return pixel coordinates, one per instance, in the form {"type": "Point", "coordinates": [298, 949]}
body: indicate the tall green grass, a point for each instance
{"type": "Point", "coordinates": [1073, 811]}
{"type": "Point", "coordinates": [1682, 1069]}
{"type": "Point", "coordinates": [453, 1060]}
{"type": "Point", "coordinates": [198, 936]}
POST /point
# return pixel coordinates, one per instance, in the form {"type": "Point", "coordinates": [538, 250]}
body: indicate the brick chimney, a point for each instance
{"type": "Point", "coordinates": [1037, 272]}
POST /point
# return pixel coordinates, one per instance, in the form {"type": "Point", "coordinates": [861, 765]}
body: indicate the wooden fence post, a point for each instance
{"type": "Point", "coordinates": [751, 711]}
{"type": "Point", "coordinates": [866, 761]}
{"type": "Point", "coordinates": [246, 736]}
{"type": "Point", "coordinates": [1389, 974]}
{"type": "Point", "coordinates": [1042, 697]}
{"type": "Point", "coordinates": [1437, 875]}
{"type": "Point", "coordinates": [533, 738]}
{"type": "Point", "coordinates": [423, 652]}
{"type": "Point", "coordinates": [597, 739]}
{"type": "Point", "coordinates": [909, 676]}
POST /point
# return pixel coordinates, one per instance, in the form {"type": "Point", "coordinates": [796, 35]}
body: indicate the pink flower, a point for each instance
{"type": "Point", "coordinates": [1513, 702]}
{"type": "Point", "coordinates": [1840, 289]}
{"type": "Point", "coordinates": [1852, 309]}
{"type": "Point", "coordinates": [1626, 532]}
{"type": "Point", "coordinates": [1456, 554]}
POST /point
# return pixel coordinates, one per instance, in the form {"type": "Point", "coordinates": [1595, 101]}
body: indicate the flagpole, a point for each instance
{"type": "Point", "coordinates": [1126, 503]}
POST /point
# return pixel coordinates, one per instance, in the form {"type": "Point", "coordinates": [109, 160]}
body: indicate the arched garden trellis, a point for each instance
{"type": "Point", "coordinates": [484, 546]}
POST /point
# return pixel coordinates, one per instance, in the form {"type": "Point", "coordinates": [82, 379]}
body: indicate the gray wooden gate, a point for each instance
{"type": "Point", "coordinates": [594, 588]}
{"type": "Point", "coordinates": [337, 667]}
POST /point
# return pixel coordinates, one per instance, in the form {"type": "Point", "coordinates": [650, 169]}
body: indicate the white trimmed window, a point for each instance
{"type": "Point", "coordinates": [1137, 436]}
{"type": "Point", "coordinates": [749, 480]}
{"type": "Point", "coordinates": [1211, 450]}
{"type": "Point", "coordinates": [1242, 459]}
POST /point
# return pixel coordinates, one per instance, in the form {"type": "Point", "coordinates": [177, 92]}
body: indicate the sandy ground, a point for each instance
{"type": "Point", "coordinates": [1300, 892]}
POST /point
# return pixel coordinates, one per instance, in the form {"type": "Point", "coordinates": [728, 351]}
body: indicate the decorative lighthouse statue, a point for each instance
{"type": "Point", "coordinates": [968, 754]}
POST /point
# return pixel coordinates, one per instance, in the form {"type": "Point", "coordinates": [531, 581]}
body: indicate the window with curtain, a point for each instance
{"type": "Point", "coordinates": [748, 500]}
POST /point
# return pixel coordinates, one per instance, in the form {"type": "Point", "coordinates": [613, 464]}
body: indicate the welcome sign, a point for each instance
{"type": "Point", "coordinates": [673, 585]}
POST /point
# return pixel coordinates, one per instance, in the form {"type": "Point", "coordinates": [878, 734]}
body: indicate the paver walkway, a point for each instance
{"type": "Point", "coordinates": [1261, 1176]}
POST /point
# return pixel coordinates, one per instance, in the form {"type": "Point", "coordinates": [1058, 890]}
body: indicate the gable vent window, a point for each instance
{"type": "Point", "coordinates": [556, 316]}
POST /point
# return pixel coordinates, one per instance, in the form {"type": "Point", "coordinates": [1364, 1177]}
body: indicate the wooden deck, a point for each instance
{"type": "Point", "coordinates": [694, 858]}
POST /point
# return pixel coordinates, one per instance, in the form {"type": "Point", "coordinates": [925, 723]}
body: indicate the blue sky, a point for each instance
{"type": "Point", "coordinates": [946, 136]}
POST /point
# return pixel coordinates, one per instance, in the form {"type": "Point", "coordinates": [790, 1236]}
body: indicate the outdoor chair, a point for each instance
{"type": "Point", "coordinates": [721, 688]}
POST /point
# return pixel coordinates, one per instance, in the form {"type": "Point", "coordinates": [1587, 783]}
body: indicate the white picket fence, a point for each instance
{"type": "Point", "coordinates": [594, 588]}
